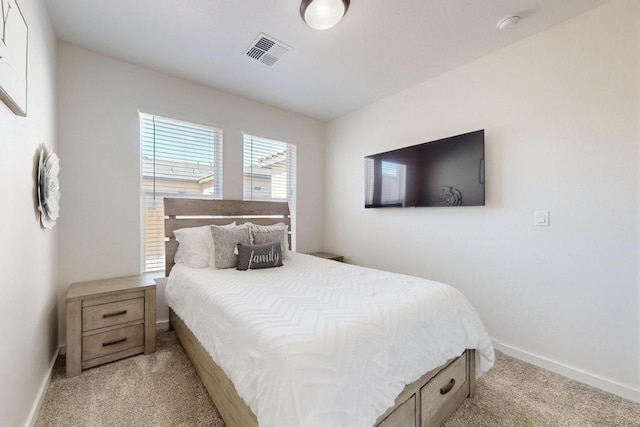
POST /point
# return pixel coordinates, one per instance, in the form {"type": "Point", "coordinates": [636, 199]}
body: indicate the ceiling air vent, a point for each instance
{"type": "Point", "coordinates": [267, 50]}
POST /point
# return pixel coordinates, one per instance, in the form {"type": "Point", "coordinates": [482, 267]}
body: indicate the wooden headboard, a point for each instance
{"type": "Point", "coordinates": [181, 213]}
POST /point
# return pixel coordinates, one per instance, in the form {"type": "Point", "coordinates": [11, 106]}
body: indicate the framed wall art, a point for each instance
{"type": "Point", "coordinates": [13, 57]}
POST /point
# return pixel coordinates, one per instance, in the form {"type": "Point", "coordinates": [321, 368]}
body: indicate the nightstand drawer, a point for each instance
{"type": "Point", "coordinates": [104, 343]}
{"type": "Point", "coordinates": [115, 313]}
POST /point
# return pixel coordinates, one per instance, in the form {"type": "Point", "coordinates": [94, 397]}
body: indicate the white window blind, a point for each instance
{"type": "Point", "coordinates": [393, 183]}
{"type": "Point", "coordinates": [369, 178]}
{"type": "Point", "coordinates": [179, 159]}
{"type": "Point", "coordinates": [384, 182]}
{"type": "Point", "coordinates": [269, 173]}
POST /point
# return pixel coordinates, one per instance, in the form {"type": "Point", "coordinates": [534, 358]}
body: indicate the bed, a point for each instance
{"type": "Point", "coordinates": [249, 355]}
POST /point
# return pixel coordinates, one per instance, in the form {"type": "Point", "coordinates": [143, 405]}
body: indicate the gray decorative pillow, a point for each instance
{"type": "Point", "coordinates": [251, 257]}
{"type": "Point", "coordinates": [270, 233]}
{"type": "Point", "coordinates": [225, 240]}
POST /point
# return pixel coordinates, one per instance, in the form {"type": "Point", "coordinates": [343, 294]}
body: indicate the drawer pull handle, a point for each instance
{"type": "Point", "coordinates": [106, 344]}
{"type": "Point", "coordinates": [117, 313]}
{"type": "Point", "coordinates": [446, 389]}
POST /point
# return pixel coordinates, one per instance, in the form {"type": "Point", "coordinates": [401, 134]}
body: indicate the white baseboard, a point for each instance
{"type": "Point", "coordinates": [35, 409]}
{"type": "Point", "coordinates": [570, 372]}
{"type": "Point", "coordinates": [162, 325]}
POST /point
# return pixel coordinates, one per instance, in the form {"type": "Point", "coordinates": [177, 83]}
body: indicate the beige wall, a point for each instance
{"type": "Point", "coordinates": [561, 111]}
{"type": "Point", "coordinates": [28, 295]}
{"type": "Point", "coordinates": [99, 100]}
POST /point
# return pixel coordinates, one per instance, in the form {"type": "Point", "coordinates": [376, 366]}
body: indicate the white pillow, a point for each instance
{"type": "Point", "coordinates": [195, 246]}
{"type": "Point", "coordinates": [261, 234]}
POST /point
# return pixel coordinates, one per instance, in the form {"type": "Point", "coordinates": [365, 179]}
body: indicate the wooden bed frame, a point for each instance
{"type": "Point", "coordinates": [428, 401]}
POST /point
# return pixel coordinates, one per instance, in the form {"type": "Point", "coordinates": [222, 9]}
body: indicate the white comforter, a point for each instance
{"type": "Point", "coordinates": [322, 343]}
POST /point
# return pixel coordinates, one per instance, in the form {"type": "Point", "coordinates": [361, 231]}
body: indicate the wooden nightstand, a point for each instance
{"type": "Point", "coordinates": [108, 320]}
{"type": "Point", "coordinates": [327, 255]}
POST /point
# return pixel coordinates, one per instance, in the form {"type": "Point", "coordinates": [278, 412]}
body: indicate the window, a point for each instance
{"type": "Point", "coordinates": [269, 173]}
{"type": "Point", "coordinates": [179, 159]}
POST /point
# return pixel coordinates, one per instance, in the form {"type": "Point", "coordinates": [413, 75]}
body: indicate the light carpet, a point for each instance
{"type": "Point", "coordinates": [163, 389]}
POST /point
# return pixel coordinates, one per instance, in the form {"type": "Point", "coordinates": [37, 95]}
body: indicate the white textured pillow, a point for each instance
{"type": "Point", "coordinates": [195, 246]}
{"type": "Point", "coordinates": [262, 234]}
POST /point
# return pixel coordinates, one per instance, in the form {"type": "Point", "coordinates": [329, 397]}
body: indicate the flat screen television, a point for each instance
{"type": "Point", "coordinates": [446, 172]}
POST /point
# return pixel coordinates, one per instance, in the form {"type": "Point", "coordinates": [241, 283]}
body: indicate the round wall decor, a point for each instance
{"type": "Point", "coordinates": [48, 188]}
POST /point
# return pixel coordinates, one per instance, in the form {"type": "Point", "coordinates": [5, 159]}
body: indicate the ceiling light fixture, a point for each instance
{"type": "Point", "coordinates": [323, 14]}
{"type": "Point", "coordinates": [508, 22]}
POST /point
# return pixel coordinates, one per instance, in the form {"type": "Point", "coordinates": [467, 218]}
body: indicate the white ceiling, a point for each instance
{"type": "Point", "coordinates": [379, 48]}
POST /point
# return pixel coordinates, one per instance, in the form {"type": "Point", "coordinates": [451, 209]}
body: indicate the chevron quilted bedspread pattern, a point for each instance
{"type": "Point", "coordinates": [322, 343]}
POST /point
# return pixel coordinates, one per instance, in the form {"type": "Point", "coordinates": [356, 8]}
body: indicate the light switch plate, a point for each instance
{"type": "Point", "coordinates": [541, 218]}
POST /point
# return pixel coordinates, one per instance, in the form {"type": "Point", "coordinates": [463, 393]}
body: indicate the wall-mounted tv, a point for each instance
{"type": "Point", "coordinates": [446, 172]}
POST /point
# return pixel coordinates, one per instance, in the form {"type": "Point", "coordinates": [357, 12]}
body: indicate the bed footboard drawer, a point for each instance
{"type": "Point", "coordinates": [444, 393]}
{"type": "Point", "coordinates": [403, 416]}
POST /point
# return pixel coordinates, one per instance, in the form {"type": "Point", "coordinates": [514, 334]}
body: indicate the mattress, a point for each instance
{"type": "Point", "coordinates": [322, 343]}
